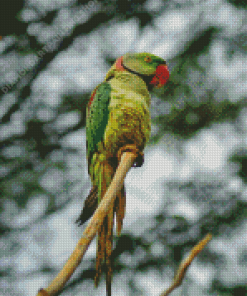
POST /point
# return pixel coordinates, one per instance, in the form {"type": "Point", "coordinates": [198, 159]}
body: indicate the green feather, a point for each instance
{"type": "Point", "coordinates": [97, 118]}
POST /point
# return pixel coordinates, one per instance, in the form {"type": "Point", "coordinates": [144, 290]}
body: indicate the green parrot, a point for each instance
{"type": "Point", "coordinates": [118, 120]}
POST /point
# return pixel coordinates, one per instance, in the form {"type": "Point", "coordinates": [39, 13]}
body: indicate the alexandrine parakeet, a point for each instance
{"type": "Point", "coordinates": [118, 120]}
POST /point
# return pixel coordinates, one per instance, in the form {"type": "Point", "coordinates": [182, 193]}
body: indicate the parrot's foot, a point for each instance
{"type": "Point", "coordinates": [132, 148]}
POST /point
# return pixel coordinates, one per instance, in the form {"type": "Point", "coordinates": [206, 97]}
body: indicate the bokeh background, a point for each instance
{"type": "Point", "coordinates": [53, 53]}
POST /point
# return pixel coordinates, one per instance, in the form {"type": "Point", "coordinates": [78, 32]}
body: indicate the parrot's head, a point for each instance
{"type": "Point", "coordinates": [151, 68]}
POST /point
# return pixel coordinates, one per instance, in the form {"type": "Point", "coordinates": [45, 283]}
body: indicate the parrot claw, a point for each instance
{"type": "Point", "coordinates": [139, 160]}
{"type": "Point", "coordinates": [132, 148]}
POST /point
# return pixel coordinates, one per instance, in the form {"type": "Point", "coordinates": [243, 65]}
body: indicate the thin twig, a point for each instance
{"type": "Point", "coordinates": [89, 233]}
{"type": "Point", "coordinates": [186, 263]}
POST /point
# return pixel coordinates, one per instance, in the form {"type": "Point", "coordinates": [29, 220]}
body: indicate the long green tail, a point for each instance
{"type": "Point", "coordinates": [102, 173]}
{"type": "Point", "coordinates": [105, 235]}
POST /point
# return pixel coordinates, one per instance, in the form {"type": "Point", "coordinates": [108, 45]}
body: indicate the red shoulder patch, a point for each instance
{"type": "Point", "coordinates": [119, 64]}
{"type": "Point", "coordinates": [91, 98]}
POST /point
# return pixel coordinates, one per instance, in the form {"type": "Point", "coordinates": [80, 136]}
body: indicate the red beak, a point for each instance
{"type": "Point", "coordinates": [161, 76]}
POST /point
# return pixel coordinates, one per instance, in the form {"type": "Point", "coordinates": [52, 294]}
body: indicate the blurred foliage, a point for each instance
{"type": "Point", "coordinates": [53, 53]}
{"type": "Point", "coordinates": [238, 3]}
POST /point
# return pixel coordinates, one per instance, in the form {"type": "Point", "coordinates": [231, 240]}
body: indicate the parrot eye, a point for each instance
{"type": "Point", "coordinates": [148, 59]}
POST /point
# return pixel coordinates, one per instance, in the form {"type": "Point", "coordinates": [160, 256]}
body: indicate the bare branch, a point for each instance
{"type": "Point", "coordinates": [74, 260]}
{"type": "Point", "coordinates": [105, 205]}
{"type": "Point", "coordinates": [186, 263]}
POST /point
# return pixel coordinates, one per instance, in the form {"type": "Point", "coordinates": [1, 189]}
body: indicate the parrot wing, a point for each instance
{"type": "Point", "coordinates": [97, 117]}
